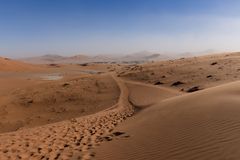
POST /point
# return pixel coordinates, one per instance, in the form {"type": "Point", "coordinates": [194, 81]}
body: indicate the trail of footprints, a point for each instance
{"type": "Point", "coordinates": [73, 139]}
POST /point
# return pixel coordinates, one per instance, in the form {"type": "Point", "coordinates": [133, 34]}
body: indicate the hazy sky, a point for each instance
{"type": "Point", "coordinates": [37, 27]}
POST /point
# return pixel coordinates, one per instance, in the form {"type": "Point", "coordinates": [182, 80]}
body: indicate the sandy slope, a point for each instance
{"type": "Point", "coordinates": [144, 95]}
{"type": "Point", "coordinates": [129, 120]}
{"type": "Point", "coordinates": [205, 71]}
{"type": "Point", "coordinates": [16, 66]}
{"type": "Point", "coordinates": [27, 100]}
{"type": "Point", "coordinates": [56, 101]}
{"type": "Point", "coordinates": [201, 125]}
{"type": "Point", "coordinates": [72, 139]}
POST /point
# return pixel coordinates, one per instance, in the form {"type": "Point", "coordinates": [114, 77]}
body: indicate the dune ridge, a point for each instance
{"type": "Point", "coordinates": [143, 95]}
{"type": "Point", "coordinates": [56, 101]}
{"type": "Point", "coordinates": [168, 122]}
{"type": "Point", "coordinates": [185, 73]}
{"type": "Point", "coordinates": [71, 139]}
{"type": "Point", "coordinates": [202, 125]}
{"type": "Point", "coordinates": [7, 64]}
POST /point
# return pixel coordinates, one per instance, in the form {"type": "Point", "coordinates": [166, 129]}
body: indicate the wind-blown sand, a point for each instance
{"type": "Point", "coordinates": [71, 139]}
{"type": "Point", "coordinates": [203, 72]}
{"type": "Point", "coordinates": [123, 118]}
{"type": "Point", "coordinates": [144, 95]}
{"type": "Point", "coordinates": [202, 125]}
{"type": "Point", "coordinates": [7, 64]}
{"type": "Point", "coordinates": [56, 101]}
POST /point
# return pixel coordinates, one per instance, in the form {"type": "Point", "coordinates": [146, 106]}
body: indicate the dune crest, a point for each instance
{"type": "Point", "coordinates": [68, 139]}
{"type": "Point", "coordinates": [160, 110]}
{"type": "Point", "coordinates": [7, 64]}
{"type": "Point", "coordinates": [201, 125]}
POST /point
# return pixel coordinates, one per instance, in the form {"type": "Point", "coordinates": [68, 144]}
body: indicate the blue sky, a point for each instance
{"type": "Point", "coordinates": [67, 27]}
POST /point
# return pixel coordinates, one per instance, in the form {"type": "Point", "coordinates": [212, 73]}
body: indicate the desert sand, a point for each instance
{"type": "Point", "coordinates": [179, 109]}
{"type": "Point", "coordinates": [203, 72]}
{"type": "Point", "coordinates": [200, 125]}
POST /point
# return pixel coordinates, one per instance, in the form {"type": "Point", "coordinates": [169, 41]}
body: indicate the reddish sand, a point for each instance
{"type": "Point", "coordinates": [201, 125]}
{"type": "Point", "coordinates": [114, 112]}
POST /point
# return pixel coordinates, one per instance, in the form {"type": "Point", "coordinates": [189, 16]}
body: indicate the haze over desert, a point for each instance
{"type": "Point", "coordinates": [121, 111]}
{"type": "Point", "coordinates": [119, 80]}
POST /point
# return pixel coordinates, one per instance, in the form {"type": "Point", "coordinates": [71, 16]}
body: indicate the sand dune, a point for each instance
{"type": "Point", "coordinates": [130, 111]}
{"type": "Point", "coordinates": [201, 125]}
{"type": "Point", "coordinates": [12, 65]}
{"type": "Point", "coordinates": [56, 101]}
{"type": "Point", "coordinates": [144, 95]}
{"type": "Point", "coordinates": [205, 71]}
{"type": "Point", "coordinates": [72, 139]}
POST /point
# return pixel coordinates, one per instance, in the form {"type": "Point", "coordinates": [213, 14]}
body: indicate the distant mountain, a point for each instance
{"type": "Point", "coordinates": [45, 59]}
{"type": "Point", "coordinates": [78, 59]}
{"type": "Point", "coordinates": [144, 56]}
{"type": "Point", "coordinates": [192, 54]}
{"type": "Point", "coordinates": [48, 59]}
